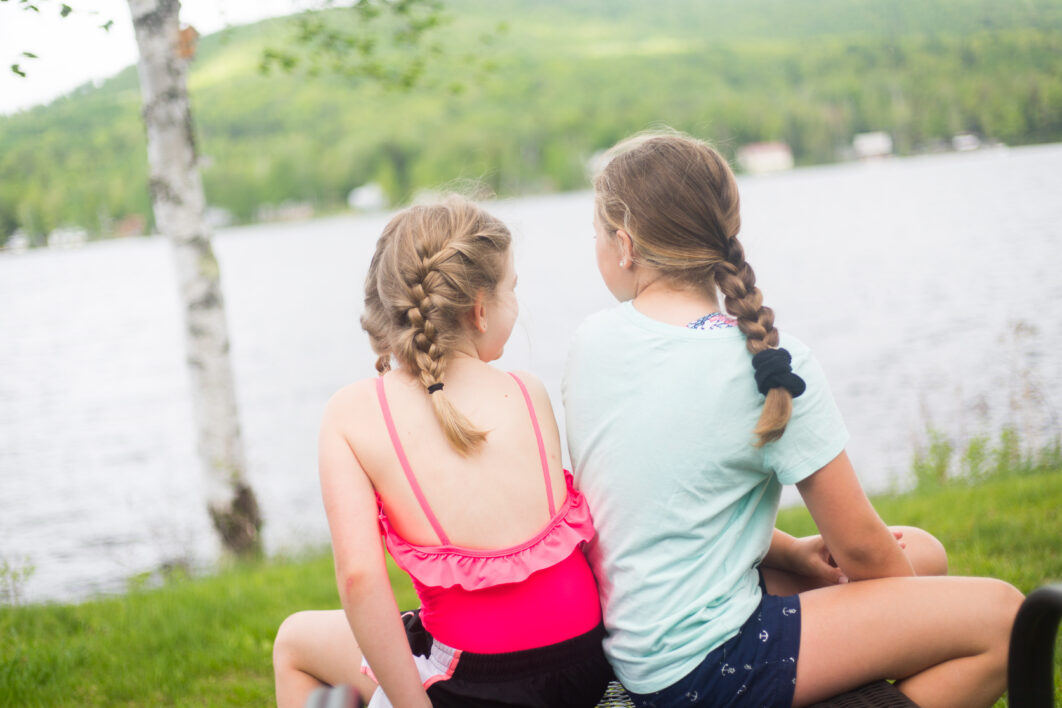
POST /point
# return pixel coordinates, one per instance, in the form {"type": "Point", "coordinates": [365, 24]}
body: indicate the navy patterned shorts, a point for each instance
{"type": "Point", "coordinates": [755, 668]}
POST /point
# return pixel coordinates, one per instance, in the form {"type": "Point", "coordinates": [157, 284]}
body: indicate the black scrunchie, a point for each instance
{"type": "Point", "coordinates": [434, 387]}
{"type": "Point", "coordinates": [773, 371]}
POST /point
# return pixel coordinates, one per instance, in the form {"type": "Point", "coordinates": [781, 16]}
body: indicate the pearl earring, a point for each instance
{"type": "Point", "coordinates": [623, 263]}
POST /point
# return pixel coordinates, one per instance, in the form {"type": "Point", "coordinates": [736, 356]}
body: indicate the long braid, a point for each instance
{"type": "Point", "coordinates": [428, 356]}
{"type": "Point", "coordinates": [676, 197]}
{"type": "Point", "coordinates": [743, 300]}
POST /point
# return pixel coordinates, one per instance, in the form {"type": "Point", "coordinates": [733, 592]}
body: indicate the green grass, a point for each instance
{"type": "Point", "coordinates": [193, 642]}
{"type": "Point", "coordinates": [208, 641]}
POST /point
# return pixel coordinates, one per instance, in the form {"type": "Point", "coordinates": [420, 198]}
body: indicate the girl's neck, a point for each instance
{"type": "Point", "coordinates": [460, 368]}
{"type": "Point", "coordinates": [673, 303]}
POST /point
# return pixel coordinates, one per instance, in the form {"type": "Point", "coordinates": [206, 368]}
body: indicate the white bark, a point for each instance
{"type": "Point", "coordinates": [180, 205]}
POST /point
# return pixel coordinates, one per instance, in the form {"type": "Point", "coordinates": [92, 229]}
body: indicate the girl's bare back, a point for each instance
{"type": "Point", "coordinates": [492, 500]}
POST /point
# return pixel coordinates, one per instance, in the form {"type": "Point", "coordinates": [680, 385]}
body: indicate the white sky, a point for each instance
{"type": "Point", "coordinates": [73, 50]}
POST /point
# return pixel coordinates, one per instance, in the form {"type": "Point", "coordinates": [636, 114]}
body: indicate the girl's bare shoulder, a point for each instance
{"type": "Point", "coordinates": [537, 390]}
{"type": "Point", "coordinates": [352, 401]}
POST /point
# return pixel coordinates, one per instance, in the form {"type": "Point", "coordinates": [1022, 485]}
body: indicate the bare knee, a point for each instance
{"type": "Point", "coordinates": [1006, 599]}
{"type": "Point", "coordinates": [925, 551]}
{"type": "Point", "coordinates": [285, 646]}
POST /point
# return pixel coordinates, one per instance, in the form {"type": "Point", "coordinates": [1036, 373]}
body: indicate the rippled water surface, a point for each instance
{"type": "Point", "coordinates": [929, 288]}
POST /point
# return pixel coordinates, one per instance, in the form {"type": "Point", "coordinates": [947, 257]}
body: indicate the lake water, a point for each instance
{"type": "Point", "coordinates": [929, 288]}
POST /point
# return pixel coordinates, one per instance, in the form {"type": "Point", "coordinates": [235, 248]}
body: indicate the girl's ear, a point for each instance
{"type": "Point", "coordinates": [626, 248]}
{"type": "Point", "coordinates": [478, 314]}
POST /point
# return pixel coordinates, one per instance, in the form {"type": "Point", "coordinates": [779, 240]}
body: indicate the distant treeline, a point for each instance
{"type": "Point", "coordinates": [524, 93]}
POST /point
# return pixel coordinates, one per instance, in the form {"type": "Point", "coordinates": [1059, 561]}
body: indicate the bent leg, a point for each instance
{"type": "Point", "coordinates": [945, 639]}
{"type": "Point", "coordinates": [313, 649]}
{"type": "Point", "coordinates": [926, 553]}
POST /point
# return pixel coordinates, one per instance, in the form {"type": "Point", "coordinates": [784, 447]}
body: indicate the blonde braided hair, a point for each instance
{"type": "Point", "coordinates": [432, 262]}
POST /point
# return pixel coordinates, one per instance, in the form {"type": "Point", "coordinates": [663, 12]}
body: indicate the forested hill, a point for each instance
{"type": "Point", "coordinates": [559, 81]}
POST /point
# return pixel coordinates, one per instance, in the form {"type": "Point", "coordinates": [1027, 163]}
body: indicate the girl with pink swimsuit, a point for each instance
{"type": "Point", "coordinates": [455, 466]}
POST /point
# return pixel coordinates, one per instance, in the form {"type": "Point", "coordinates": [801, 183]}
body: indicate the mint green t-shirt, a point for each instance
{"type": "Point", "coordinates": [659, 421]}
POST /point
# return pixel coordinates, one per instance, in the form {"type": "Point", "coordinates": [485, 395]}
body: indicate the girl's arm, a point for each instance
{"type": "Point", "coordinates": [858, 539]}
{"type": "Point", "coordinates": [361, 572]}
{"type": "Point", "coordinates": [806, 556]}
{"type": "Point", "coordinates": [809, 557]}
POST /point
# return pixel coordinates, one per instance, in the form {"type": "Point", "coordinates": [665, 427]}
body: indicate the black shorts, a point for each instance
{"type": "Point", "coordinates": [571, 673]}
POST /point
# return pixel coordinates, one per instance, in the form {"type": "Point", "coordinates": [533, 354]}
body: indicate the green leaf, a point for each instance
{"type": "Point", "coordinates": [15, 68]}
{"type": "Point", "coordinates": [106, 26]}
{"type": "Point", "coordinates": [31, 55]}
{"type": "Point", "coordinates": [65, 10]}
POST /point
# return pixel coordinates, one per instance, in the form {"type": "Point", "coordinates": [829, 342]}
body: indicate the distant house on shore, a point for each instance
{"type": "Point", "coordinates": [758, 158]}
{"type": "Point", "coordinates": [67, 237]}
{"type": "Point", "coordinates": [368, 197]}
{"type": "Point", "coordinates": [965, 142]}
{"type": "Point", "coordinates": [289, 210]}
{"type": "Point", "coordinates": [872, 146]}
{"type": "Point", "coordinates": [17, 242]}
{"type": "Point", "coordinates": [130, 225]}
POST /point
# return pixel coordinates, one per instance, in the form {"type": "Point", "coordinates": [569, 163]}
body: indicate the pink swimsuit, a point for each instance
{"type": "Point", "coordinates": [537, 593]}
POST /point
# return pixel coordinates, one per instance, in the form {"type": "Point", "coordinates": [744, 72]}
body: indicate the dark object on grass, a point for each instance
{"type": "Point", "coordinates": [878, 694]}
{"type": "Point", "coordinates": [1031, 667]}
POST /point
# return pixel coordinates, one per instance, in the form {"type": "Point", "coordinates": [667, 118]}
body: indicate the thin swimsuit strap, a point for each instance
{"type": "Point", "coordinates": [411, 478]}
{"type": "Point", "coordinates": [541, 444]}
{"type": "Point", "coordinates": [443, 539]}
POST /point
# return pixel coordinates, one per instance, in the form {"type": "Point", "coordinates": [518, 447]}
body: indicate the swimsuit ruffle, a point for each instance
{"type": "Point", "coordinates": [471, 569]}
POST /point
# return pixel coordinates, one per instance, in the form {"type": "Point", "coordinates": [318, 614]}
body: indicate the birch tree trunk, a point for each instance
{"type": "Point", "coordinates": [180, 211]}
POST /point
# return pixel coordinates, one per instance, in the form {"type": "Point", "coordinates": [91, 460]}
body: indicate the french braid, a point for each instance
{"type": "Point", "coordinates": [438, 259]}
{"type": "Point", "coordinates": [678, 200]}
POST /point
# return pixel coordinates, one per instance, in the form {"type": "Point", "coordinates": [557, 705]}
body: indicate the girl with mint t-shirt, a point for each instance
{"type": "Point", "coordinates": [684, 418]}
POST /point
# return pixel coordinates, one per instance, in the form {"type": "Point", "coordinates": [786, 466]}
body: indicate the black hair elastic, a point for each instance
{"type": "Point", "coordinates": [773, 370]}
{"type": "Point", "coordinates": [434, 387]}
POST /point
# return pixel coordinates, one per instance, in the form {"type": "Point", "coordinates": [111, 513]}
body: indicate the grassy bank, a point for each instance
{"type": "Point", "coordinates": [208, 641]}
